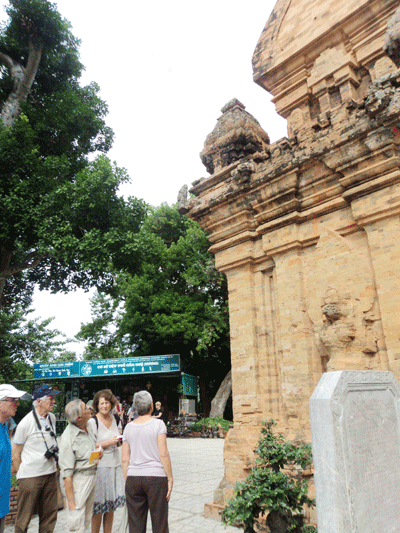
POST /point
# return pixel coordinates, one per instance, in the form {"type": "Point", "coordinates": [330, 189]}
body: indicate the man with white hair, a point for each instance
{"type": "Point", "coordinates": [9, 401]}
{"type": "Point", "coordinates": [34, 459]}
{"type": "Point", "coordinates": [76, 445]}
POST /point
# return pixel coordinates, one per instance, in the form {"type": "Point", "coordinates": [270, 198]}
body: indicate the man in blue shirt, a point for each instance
{"type": "Point", "coordinates": [9, 400]}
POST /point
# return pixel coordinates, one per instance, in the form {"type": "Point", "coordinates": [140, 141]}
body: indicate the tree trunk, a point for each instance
{"type": "Point", "coordinates": [6, 270]}
{"type": "Point", "coordinates": [22, 78]}
{"type": "Point", "coordinates": [204, 399]}
{"type": "Point", "coordinates": [5, 261]}
{"type": "Point", "coordinates": [279, 522]}
{"type": "Point", "coordinates": [218, 403]}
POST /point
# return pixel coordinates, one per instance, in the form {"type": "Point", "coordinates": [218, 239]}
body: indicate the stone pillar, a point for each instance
{"type": "Point", "coordinates": [356, 451]}
{"type": "Point", "coordinates": [268, 339]}
{"type": "Point", "coordinates": [244, 300]}
{"type": "Point", "coordinates": [244, 345]}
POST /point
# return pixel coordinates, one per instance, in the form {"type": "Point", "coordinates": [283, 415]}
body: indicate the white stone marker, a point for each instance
{"type": "Point", "coordinates": [355, 429]}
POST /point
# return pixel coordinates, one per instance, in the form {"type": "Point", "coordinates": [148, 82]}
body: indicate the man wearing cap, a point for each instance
{"type": "Point", "coordinates": [34, 459]}
{"type": "Point", "coordinates": [9, 399]}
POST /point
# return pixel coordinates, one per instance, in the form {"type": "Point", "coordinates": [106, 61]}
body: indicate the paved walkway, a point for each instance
{"type": "Point", "coordinates": [197, 465]}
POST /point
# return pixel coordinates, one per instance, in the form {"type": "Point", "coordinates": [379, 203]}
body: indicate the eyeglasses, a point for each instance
{"type": "Point", "coordinates": [12, 400]}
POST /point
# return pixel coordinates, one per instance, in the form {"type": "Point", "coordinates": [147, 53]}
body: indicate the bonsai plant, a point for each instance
{"type": "Point", "coordinates": [268, 490]}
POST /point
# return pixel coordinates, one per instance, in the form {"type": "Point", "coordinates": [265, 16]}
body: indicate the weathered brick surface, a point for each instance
{"type": "Point", "coordinates": [313, 55]}
{"type": "Point", "coordinates": [307, 229]}
{"type": "Point", "coordinates": [10, 518]}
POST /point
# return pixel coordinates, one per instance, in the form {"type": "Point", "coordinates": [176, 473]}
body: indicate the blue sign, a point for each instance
{"type": "Point", "coordinates": [150, 364]}
{"type": "Point", "coordinates": [56, 370]}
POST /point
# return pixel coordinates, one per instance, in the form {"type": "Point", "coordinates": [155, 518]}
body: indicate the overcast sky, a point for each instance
{"type": "Point", "coordinates": [165, 70]}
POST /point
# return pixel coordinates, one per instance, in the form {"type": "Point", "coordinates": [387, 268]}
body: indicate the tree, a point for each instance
{"type": "Point", "coordinates": [218, 403]}
{"type": "Point", "coordinates": [62, 221]}
{"type": "Point", "coordinates": [177, 302]}
{"type": "Point", "coordinates": [25, 342]}
{"type": "Point", "coordinates": [174, 301]}
{"type": "Point", "coordinates": [102, 334]}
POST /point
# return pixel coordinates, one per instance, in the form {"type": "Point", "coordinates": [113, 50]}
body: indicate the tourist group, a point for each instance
{"type": "Point", "coordinates": [96, 466]}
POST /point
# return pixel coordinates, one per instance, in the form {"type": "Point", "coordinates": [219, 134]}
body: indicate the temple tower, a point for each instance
{"type": "Point", "coordinates": [307, 229]}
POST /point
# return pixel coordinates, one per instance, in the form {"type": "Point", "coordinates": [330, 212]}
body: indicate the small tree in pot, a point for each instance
{"type": "Point", "coordinates": [267, 489]}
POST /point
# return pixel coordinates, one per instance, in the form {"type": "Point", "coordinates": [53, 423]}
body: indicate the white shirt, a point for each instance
{"type": "Point", "coordinates": [112, 454]}
{"type": "Point", "coordinates": [33, 461]}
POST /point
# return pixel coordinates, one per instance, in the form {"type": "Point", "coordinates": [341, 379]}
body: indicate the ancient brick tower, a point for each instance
{"type": "Point", "coordinates": [307, 229]}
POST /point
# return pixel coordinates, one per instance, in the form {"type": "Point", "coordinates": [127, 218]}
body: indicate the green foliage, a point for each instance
{"type": "Point", "coordinates": [102, 334]}
{"type": "Point", "coordinates": [176, 301]}
{"type": "Point", "coordinates": [18, 292]}
{"type": "Point", "coordinates": [176, 298]}
{"type": "Point", "coordinates": [269, 490]}
{"type": "Point", "coordinates": [36, 20]}
{"type": "Point", "coordinates": [77, 227]}
{"type": "Point", "coordinates": [39, 22]}
{"type": "Point", "coordinates": [213, 422]}
{"type": "Point", "coordinates": [24, 342]}
{"type": "Point", "coordinates": [169, 298]}
{"type": "Point", "coordinates": [63, 223]}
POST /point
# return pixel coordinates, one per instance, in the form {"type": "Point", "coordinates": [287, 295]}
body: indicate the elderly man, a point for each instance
{"type": "Point", "coordinates": [9, 399]}
{"type": "Point", "coordinates": [34, 459]}
{"type": "Point", "coordinates": [76, 445]}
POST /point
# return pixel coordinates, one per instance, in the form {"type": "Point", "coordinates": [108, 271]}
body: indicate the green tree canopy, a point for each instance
{"type": "Point", "coordinates": [63, 224]}
{"type": "Point", "coordinates": [178, 298]}
{"type": "Point", "coordinates": [27, 341]}
{"type": "Point", "coordinates": [173, 301]}
{"type": "Point", "coordinates": [104, 340]}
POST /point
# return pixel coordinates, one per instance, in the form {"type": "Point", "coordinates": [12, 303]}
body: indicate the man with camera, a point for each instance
{"type": "Point", "coordinates": [35, 460]}
{"type": "Point", "coordinates": [79, 473]}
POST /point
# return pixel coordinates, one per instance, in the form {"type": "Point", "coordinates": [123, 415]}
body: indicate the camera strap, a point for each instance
{"type": "Point", "coordinates": [40, 428]}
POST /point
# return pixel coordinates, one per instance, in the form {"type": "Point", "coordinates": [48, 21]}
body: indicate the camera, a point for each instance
{"type": "Point", "coordinates": [52, 452]}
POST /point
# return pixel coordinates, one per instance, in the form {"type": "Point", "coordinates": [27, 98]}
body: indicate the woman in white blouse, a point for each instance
{"type": "Point", "coordinates": [110, 481]}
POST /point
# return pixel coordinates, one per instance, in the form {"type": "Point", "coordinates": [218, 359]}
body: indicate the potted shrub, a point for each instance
{"type": "Point", "coordinates": [270, 492]}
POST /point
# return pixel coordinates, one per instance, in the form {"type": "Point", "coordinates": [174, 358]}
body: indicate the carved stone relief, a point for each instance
{"type": "Point", "coordinates": [341, 304]}
{"type": "Point", "coordinates": [183, 200]}
{"type": "Point", "coordinates": [243, 172]}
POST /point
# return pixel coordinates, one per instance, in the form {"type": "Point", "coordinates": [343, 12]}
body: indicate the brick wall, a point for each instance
{"type": "Point", "coordinates": [10, 518]}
